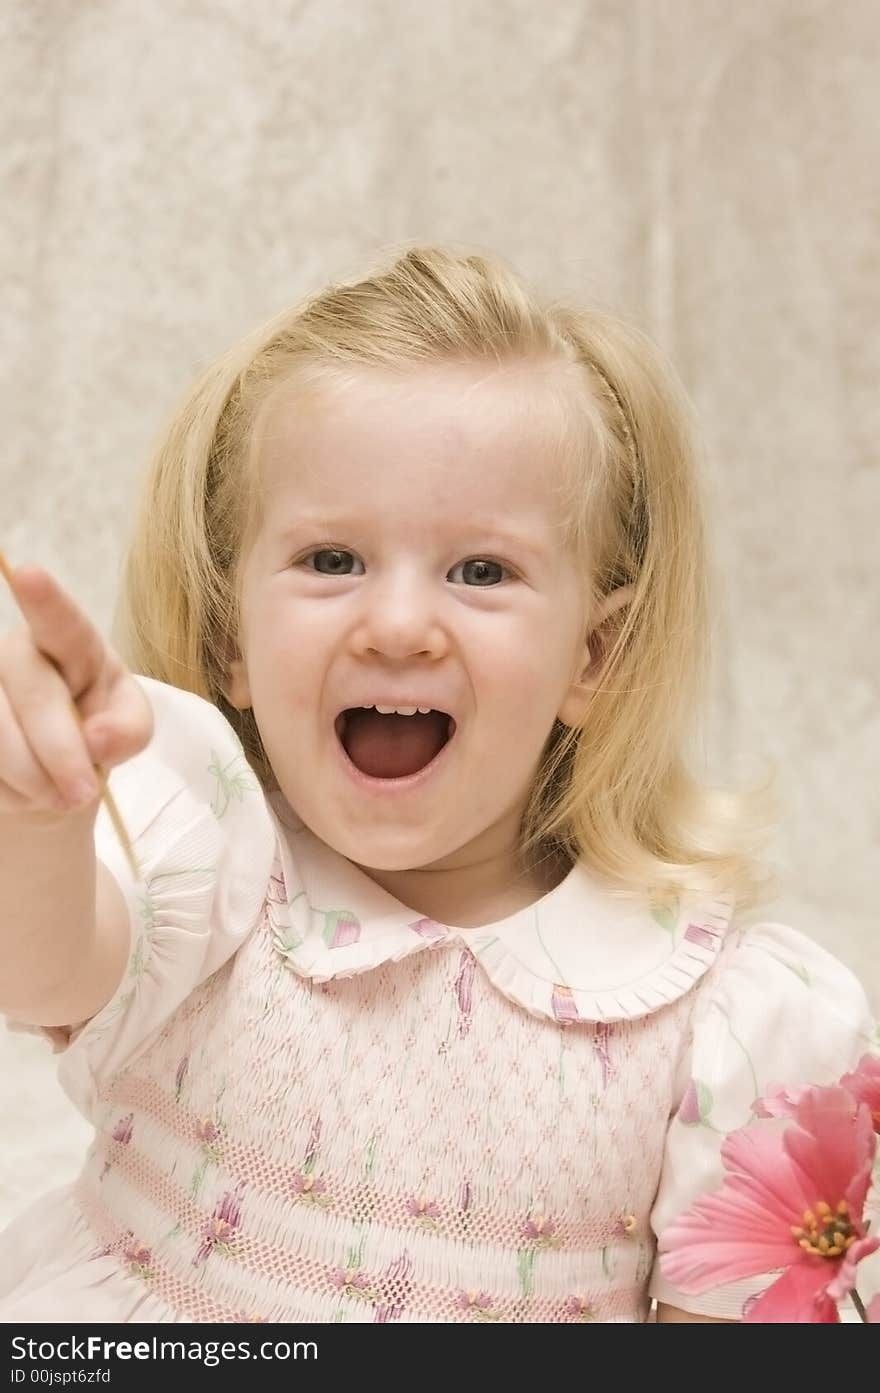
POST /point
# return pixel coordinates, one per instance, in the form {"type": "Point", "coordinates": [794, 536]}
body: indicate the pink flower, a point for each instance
{"type": "Point", "coordinates": [791, 1200]}
{"type": "Point", "coordinates": [138, 1256]}
{"type": "Point", "coordinates": [580, 1308]}
{"type": "Point", "coordinates": [222, 1225]}
{"type": "Point", "coordinates": [778, 1101]}
{"type": "Point", "coordinates": [423, 1208]}
{"type": "Point", "coordinates": [474, 1301]}
{"type": "Point", "coordinates": [539, 1229]}
{"type": "Point", "coordinates": [864, 1085]}
{"type": "Point", "coordinates": [354, 1282]}
{"type": "Point", "coordinates": [309, 1186]}
{"type": "Point", "coordinates": [207, 1131]}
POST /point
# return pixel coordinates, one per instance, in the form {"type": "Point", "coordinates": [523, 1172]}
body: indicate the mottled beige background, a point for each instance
{"type": "Point", "coordinates": [175, 172]}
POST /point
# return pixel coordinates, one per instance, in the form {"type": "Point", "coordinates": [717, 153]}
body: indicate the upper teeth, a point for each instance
{"type": "Point", "coordinates": [400, 710]}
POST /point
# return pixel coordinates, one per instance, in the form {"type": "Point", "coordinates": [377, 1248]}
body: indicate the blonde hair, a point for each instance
{"type": "Point", "coordinates": [614, 790]}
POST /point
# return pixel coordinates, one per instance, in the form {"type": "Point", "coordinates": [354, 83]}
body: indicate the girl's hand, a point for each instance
{"type": "Point", "coordinates": [67, 703]}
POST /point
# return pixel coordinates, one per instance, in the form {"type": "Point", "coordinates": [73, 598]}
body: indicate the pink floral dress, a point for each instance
{"type": "Point", "coordinates": [313, 1104]}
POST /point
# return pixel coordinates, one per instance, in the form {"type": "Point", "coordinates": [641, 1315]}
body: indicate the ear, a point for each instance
{"type": "Point", "coordinates": [604, 623]}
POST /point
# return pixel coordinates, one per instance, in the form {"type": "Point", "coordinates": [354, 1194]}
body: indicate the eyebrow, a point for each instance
{"type": "Point", "coordinates": [490, 536]}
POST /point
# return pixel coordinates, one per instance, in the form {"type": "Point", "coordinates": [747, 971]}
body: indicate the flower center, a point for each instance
{"type": "Point", "coordinates": [827, 1233]}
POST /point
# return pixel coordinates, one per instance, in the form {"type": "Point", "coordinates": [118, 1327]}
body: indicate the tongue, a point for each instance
{"type": "Point", "coordinates": [389, 747]}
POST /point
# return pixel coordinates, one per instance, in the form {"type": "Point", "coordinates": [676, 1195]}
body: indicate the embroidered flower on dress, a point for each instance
{"type": "Point", "coordinates": [540, 1230]}
{"type": "Point", "coordinates": [208, 1133]}
{"type": "Point", "coordinates": [310, 1189]}
{"type": "Point", "coordinates": [139, 1259]}
{"type": "Point", "coordinates": [580, 1308]}
{"type": "Point", "coordinates": [478, 1303]}
{"type": "Point", "coordinates": [426, 1211]}
{"type": "Point", "coordinates": [354, 1282]}
{"type": "Point", "coordinates": [222, 1226]}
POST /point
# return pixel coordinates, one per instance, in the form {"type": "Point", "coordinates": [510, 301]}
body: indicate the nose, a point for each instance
{"type": "Point", "coordinates": [400, 617]}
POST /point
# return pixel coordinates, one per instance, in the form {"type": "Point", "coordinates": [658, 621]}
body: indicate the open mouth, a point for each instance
{"type": "Point", "coordinates": [392, 746]}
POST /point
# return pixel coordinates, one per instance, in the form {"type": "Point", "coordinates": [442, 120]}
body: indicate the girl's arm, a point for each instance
{"type": "Point", "coordinates": [64, 934]}
{"type": "Point", "coordinates": [66, 699]}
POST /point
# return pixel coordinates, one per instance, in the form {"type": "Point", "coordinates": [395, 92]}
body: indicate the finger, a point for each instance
{"type": "Point", "coordinates": [60, 629]}
{"type": "Point", "coordinates": [26, 783]}
{"type": "Point", "coordinates": [13, 802]}
{"type": "Point", "coordinates": [121, 727]}
{"type": "Point", "coordinates": [42, 712]}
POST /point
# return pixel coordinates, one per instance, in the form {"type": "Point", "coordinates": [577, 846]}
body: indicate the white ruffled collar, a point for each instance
{"type": "Point", "coordinates": [577, 954]}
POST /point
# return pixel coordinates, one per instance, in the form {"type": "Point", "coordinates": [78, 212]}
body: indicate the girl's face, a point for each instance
{"type": "Point", "coordinates": [409, 554]}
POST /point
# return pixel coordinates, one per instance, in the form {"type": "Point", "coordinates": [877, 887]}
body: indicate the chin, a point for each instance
{"type": "Point", "coordinates": [377, 859]}
{"type": "Point", "coordinates": [373, 854]}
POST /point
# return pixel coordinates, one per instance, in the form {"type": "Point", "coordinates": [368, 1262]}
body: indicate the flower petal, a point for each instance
{"type": "Point", "coordinates": [722, 1238]}
{"type": "Point", "coordinates": [833, 1147]}
{"type": "Point", "coordinates": [845, 1277]}
{"type": "Point", "coordinates": [799, 1297]}
{"type": "Point", "coordinates": [864, 1084]}
{"type": "Point", "coordinates": [745, 1229]}
{"type": "Point", "coordinates": [778, 1101]}
{"type": "Point", "coordinates": [762, 1170]}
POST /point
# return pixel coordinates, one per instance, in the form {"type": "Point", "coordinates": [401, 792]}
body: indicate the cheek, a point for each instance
{"type": "Point", "coordinates": [274, 660]}
{"type": "Point", "coordinates": [529, 670]}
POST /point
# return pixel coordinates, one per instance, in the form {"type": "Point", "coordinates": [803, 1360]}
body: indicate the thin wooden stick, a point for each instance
{"type": "Point", "coordinates": [106, 796]}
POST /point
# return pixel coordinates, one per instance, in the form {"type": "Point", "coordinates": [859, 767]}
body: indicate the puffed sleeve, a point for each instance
{"type": "Point", "coordinates": [204, 842]}
{"type": "Point", "coordinates": [778, 1008]}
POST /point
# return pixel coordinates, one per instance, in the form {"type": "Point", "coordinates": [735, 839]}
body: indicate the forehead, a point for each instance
{"type": "Point", "coordinates": [443, 430]}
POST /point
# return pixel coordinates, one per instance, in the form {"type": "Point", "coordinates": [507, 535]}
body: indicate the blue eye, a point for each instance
{"type": "Point", "coordinates": [482, 571]}
{"type": "Point", "coordinates": [337, 561]}
{"type": "Point", "coordinates": [477, 572]}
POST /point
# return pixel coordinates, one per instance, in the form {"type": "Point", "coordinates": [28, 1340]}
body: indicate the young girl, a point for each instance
{"type": "Point", "coordinates": [432, 999]}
